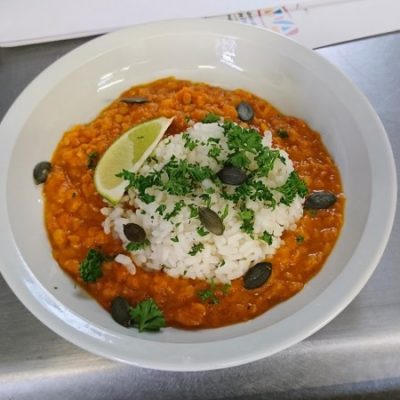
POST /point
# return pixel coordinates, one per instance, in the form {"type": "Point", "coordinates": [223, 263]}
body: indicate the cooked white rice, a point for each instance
{"type": "Point", "coordinates": [224, 257]}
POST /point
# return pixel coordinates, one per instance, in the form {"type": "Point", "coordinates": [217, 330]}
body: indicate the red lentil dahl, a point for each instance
{"type": "Point", "coordinates": [73, 219]}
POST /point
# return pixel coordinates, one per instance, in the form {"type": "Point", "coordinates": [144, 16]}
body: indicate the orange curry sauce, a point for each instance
{"type": "Point", "coordinates": [74, 221]}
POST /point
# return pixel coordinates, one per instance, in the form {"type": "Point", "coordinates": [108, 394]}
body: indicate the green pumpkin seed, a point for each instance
{"type": "Point", "coordinates": [120, 311]}
{"type": "Point", "coordinates": [211, 221]}
{"type": "Point", "coordinates": [320, 200]}
{"type": "Point", "coordinates": [134, 233]}
{"type": "Point", "coordinates": [135, 100]}
{"type": "Point", "coordinates": [257, 275]}
{"type": "Point", "coordinates": [41, 172]}
{"type": "Point", "coordinates": [232, 175]}
{"type": "Point", "coordinates": [245, 111]}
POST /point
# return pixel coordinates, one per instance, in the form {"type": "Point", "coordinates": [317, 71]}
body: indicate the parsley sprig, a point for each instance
{"type": "Point", "coordinates": [90, 267]}
{"type": "Point", "coordinates": [147, 316]}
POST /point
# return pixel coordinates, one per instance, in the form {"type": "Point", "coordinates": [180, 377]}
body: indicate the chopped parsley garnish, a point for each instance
{"type": "Point", "coordinates": [265, 160]}
{"type": "Point", "coordinates": [207, 198]}
{"type": "Point", "coordinates": [210, 118]}
{"type": "Point", "coordinates": [147, 316]}
{"type": "Point", "coordinates": [209, 295]}
{"type": "Point", "coordinates": [161, 208]}
{"type": "Point", "coordinates": [92, 159]}
{"type": "Point", "coordinates": [194, 211]}
{"type": "Point", "coordinates": [214, 152]}
{"type": "Point", "coordinates": [253, 190]}
{"type": "Point", "coordinates": [182, 178]}
{"type": "Point", "coordinates": [299, 239]}
{"type": "Point", "coordinates": [240, 138]}
{"type": "Point", "coordinates": [258, 191]}
{"type": "Point", "coordinates": [141, 183]}
{"type": "Point", "coordinates": [246, 145]}
{"type": "Point", "coordinates": [210, 190]}
{"type": "Point", "coordinates": [132, 246]}
{"type": "Point", "coordinates": [282, 133]}
{"type": "Point", "coordinates": [239, 160]}
{"type": "Point", "coordinates": [247, 217]}
{"type": "Point", "coordinates": [179, 177]}
{"type": "Point", "coordinates": [225, 288]}
{"type": "Point", "coordinates": [90, 267]}
{"type": "Point", "coordinates": [201, 231]}
{"type": "Point", "coordinates": [190, 143]}
{"type": "Point", "coordinates": [225, 212]}
{"type": "Point", "coordinates": [196, 248]}
{"type": "Point", "coordinates": [178, 207]}
{"type": "Point", "coordinates": [213, 140]}
{"type": "Point", "coordinates": [291, 188]}
{"type": "Point", "coordinates": [147, 198]}
{"type": "Point", "coordinates": [267, 237]}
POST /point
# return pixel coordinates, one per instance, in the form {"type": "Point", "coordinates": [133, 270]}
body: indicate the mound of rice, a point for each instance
{"type": "Point", "coordinates": [177, 242]}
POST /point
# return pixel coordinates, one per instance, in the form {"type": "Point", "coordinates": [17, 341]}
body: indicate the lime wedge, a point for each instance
{"type": "Point", "coordinates": [128, 152]}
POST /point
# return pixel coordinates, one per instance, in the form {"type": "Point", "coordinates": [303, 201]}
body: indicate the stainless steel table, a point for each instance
{"type": "Point", "coordinates": [356, 356]}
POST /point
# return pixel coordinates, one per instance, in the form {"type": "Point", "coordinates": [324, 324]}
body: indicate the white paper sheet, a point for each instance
{"type": "Point", "coordinates": [317, 23]}
{"type": "Point", "coordinates": [33, 21]}
{"type": "Point", "coordinates": [313, 23]}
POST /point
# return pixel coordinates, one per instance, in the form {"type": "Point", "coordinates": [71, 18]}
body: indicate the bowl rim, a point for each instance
{"type": "Point", "coordinates": [201, 356]}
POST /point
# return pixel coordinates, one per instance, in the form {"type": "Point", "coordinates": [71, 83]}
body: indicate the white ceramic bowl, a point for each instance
{"type": "Point", "coordinates": [295, 79]}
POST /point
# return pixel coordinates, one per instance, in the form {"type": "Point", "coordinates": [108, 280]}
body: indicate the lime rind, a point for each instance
{"type": "Point", "coordinates": [128, 152]}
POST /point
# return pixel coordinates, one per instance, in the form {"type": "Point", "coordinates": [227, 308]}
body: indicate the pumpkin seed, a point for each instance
{"type": "Point", "coordinates": [135, 100]}
{"type": "Point", "coordinates": [211, 221]}
{"type": "Point", "coordinates": [245, 111]}
{"type": "Point", "coordinates": [232, 175]}
{"type": "Point", "coordinates": [41, 172]}
{"type": "Point", "coordinates": [257, 275]}
{"type": "Point", "coordinates": [134, 233]}
{"type": "Point", "coordinates": [320, 200]}
{"type": "Point", "coordinates": [120, 311]}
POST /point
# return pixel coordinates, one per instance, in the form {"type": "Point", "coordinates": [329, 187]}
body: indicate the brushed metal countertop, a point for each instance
{"type": "Point", "coordinates": [357, 355]}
